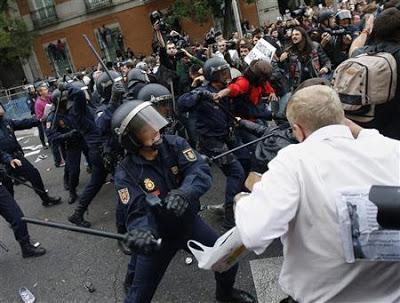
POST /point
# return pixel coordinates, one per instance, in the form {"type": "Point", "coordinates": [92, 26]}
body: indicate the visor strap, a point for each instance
{"type": "Point", "coordinates": [130, 116]}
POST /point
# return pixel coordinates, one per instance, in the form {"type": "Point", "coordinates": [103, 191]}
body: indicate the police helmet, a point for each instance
{"type": "Point", "coordinates": [132, 118]}
{"type": "Point", "coordinates": [217, 69]}
{"type": "Point", "coordinates": [343, 14]}
{"type": "Point", "coordinates": [155, 93]}
{"type": "Point", "coordinates": [137, 75]}
{"type": "Point", "coordinates": [104, 83]}
{"type": "Point", "coordinates": [325, 15]}
{"type": "Point", "coordinates": [60, 98]}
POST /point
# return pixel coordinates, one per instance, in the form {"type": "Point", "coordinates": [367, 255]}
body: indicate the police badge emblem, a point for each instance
{"type": "Point", "coordinates": [189, 155]}
{"type": "Point", "coordinates": [149, 184]}
{"type": "Point", "coordinates": [124, 195]}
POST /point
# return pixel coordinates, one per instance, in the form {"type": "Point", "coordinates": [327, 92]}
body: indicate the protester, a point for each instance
{"type": "Point", "coordinates": [295, 200]}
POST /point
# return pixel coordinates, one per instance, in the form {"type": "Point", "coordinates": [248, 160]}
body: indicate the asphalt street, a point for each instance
{"type": "Point", "coordinates": [73, 259]}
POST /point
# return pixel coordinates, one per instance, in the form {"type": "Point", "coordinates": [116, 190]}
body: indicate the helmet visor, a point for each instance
{"type": "Point", "coordinates": [223, 75]}
{"type": "Point", "coordinates": [143, 118]}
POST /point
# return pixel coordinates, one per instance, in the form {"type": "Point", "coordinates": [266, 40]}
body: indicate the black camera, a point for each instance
{"type": "Point", "coordinates": [156, 17]}
{"type": "Point", "coordinates": [210, 38]}
{"type": "Point", "coordinates": [338, 32]}
{"type": "Point", "coordinates": [298, 12]}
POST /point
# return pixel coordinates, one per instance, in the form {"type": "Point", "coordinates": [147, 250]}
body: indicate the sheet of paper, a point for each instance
{"type": "Point", "coordinates": [262, 50]}
{"type": "Point", "coordinates": [362, 237]}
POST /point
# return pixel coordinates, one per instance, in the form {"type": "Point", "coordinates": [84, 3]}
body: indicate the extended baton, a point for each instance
{"type": "Point", "coordinates": [241, 146]}
{"type": "Point", "coordinates": [98, 57]}
{"type": "Point", "coordinates": [84, 230]}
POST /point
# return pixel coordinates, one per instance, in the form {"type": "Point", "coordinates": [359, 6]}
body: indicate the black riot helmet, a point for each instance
{"type": "Point", "coordinates": [132, 119]}
{"type": "Point", "coordinates": [217, 70]}
{"type": "Point", "coordinates": [136, 75]}
{"type": "Point", "coordinates": [60, 100]}
{"type": "Point", "coordinates": [104, 84]}
{"type": "Point", "coordinates": [159, 95]}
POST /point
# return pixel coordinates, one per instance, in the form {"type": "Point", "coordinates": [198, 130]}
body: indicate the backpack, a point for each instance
{"type": "Point", "coordinates": [365, 81]}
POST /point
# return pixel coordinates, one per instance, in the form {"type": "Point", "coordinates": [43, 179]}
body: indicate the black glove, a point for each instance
{"type": "Point", "coordinates": [117, 92]}
{"type": "Point", "coordinates": [176, 202]}
{"type": "Point", "coordinates": [142, 241]}
{"type": "Point", "coordinates": [109, 162]}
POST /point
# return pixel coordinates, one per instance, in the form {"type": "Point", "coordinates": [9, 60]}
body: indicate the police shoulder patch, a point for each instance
{"type": "Point", "coordinates": [124, 195]}
{"type": "Point", "coordinates": [189, 154]}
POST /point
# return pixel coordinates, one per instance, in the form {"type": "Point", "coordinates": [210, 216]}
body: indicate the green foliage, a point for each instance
{"type": "Point", "coordinates": [15, 39]}
{"type": "Point", "coordinates": [199, 10]}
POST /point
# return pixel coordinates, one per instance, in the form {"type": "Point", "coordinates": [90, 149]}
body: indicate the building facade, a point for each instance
{"type": "Point", "coordinates": [111, 25]}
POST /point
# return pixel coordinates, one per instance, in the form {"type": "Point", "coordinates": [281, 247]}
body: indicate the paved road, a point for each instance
{"type": "Point", "coordinates": [74, 259]}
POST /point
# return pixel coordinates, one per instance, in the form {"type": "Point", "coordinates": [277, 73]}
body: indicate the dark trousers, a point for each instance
{"type": "Point", "coordinates": [41, 134]}
{"type": "Point", "coordinates": [230, 166]}
{"type": "Point", "coordinates": [149, 270]}
{"type": "Point", "coordinates": [29, 173]}
{"type": "Point", "coordinates": [10, 211]}
{"type": "Point", "coordinates": [97, 178]}
{"type": "Point", "coordinates": [72, 167]}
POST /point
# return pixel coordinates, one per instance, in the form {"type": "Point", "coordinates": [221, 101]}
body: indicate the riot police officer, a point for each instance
{"type": "Point", "coordinates": [104, 85]}
{"type": "Point", "coordinates": [83, 118]}
{"type": "Point", "coordinates": [163, 101]}
{"type": "Point", "coordinates": [215, 126]}
{"type": "Point", "coordinates": [60, 129]}
{"type": "Point", "coordinates": [12, 213]}
{"type": "Point", "coordinates": [137, 79]}
{"type": "Point", "coordinates": [10, 146]}
{"type": "Point", "coordinates": [160, 182]}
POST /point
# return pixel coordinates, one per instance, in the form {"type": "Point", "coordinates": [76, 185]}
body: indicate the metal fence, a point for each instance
{"type": "Point", "coordinates": [15, 102]}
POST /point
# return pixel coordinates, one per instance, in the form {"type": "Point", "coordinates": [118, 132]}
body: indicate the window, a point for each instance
{"type": "Point", "coordinates": [111, 41]}
{"type": "Point", "coordinates": [59, 56]}
{"type": "Point", "coordinates": [44, 13]}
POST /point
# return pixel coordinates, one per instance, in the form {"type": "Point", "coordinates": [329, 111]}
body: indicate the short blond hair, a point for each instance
{"type": "Point", "coordinates": [314, 107]}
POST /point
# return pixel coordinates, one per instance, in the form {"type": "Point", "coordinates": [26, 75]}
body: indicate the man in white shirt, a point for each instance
{"type": "Point", "coordinates": [295, 200]}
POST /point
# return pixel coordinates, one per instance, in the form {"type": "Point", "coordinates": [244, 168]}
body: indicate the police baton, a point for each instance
{"type": "Point", "coordinates": [98, 57]}
{"type": "Point", "coordinates": [84, 230]}
{"type": "Point", "coordinates": [241, 146]}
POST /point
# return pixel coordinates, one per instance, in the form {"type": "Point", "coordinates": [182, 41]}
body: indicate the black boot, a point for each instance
{"type": "Point", "coordinates": [28, 250]}
{"type": "Point", "coordinates": [77, 217]}
{"type": "Point", "coordinates": [73, 196]}
{"type": "Point", "coordinates": [229, 220]}
{"type": "Point", "coordinates": [50, 201]}
{"type": "Point", "coordinates": [234, 296]}
{"type": "Point", "coordinates": [128, 282]}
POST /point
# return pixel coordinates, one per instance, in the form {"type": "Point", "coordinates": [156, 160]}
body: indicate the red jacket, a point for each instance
{"type": "Point", "coordinates": [242, 86]}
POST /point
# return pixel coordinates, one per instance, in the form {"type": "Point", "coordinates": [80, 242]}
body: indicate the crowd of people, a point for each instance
{"type": "Point", "coordinates": [156, 123]}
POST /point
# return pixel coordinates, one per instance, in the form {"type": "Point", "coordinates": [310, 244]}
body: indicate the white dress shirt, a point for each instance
{"type": "Point", "coordinates": [295, 200]}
